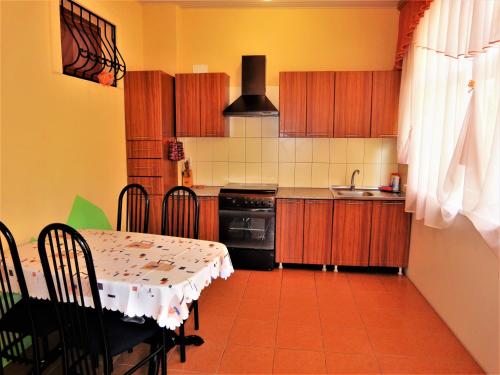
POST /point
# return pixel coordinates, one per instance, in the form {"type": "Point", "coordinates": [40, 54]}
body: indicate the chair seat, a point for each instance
{"type": "Point", "coordinates": [17, 318]}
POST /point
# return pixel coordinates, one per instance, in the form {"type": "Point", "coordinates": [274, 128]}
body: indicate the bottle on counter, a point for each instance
{"type": "Point", "coordinates": [395, 181]}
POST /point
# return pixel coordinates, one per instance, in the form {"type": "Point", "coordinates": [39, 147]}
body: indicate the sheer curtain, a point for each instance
{"type": "Point", "coordinates": [449, 116]}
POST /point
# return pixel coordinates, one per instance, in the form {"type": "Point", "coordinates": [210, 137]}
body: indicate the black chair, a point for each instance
{"type": "Point", "coordinates": [180, 218]}
{"type": "Point", "coordinates": [88, 332]}
{"type": "Point", "coordinates": [136, 209]}
{"type": "Point", "coordinates": [21, 316]}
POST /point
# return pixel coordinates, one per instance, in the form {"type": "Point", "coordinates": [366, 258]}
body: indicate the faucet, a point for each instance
{"type": "Point", "coordinates": [356, 171]}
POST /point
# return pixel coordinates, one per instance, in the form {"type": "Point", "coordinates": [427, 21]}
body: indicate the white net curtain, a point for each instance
{"type": "Point", "coordinates": [449, 116]}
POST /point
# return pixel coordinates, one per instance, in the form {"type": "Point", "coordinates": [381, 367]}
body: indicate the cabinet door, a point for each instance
{"type": "Point", "coordinates": [320, 99]}
{"type": "Point", "coordinates": [209, 219]}
{"type": "Point", "coordinates": [143, 116]}
{"type": "Point", "coordinates": [214, 97]}
{"type": "Point", "coordinates": [187, 105]}
{"type": "Point", "coordinates": [390, 234]}
{"type": "Point", "coordinates": [155, 204]}
{"type": "Point", "coordinates": [351, 232]}
{"type": "Point", "coordinates": [144, 149]}
{"type": "Point", "coordinates": [293, 93]}
{"type": "Point", "coordinates": [385, 99]}
{"type": "Point", "coordinates": [352, 104]}
{"type": "Point", "coordinates": [289, 230]}
{"type": "Point", "coordinates": [318, 216]}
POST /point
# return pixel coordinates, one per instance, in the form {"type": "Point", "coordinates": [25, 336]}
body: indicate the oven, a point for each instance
{"type": "Point", "coordinates": [247, 226]}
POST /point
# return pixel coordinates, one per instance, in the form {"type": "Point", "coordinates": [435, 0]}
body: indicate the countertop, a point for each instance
{"type": "Point", "coordinates": [304, 193]}
{"type": "Point", "coordinates": [206, 191]}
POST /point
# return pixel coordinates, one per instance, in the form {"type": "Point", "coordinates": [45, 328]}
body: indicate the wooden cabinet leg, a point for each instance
{"type": "Point", "coordinates": [335, 268]}
{"type": "Point", "coordinates": [400, 271]}
{"type": "Point", "coordinates": [324, 268]}
{"type": "Point", "coordinates": [280, 266]}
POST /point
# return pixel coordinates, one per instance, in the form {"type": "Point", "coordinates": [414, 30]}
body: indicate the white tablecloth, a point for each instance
{"type": "Point", "coordinates": [142, 274]}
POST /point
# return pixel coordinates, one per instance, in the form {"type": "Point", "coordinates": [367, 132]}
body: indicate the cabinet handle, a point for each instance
{"type": "Point", "coordinates": [141, 167]}
{"type": "Point", "coordinates": [288, 200]}
{"type": "Point", "coordinates": [392, 203]}
{"type": "Point", "coordinates": [355, 203]}
{"type": "Point", "coordinates": [320, 201]}
{"type": "Point", "coordinates": [386, 135]}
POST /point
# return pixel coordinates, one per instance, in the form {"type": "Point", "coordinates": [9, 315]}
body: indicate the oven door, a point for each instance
{"type": "Point", "coordinates": [247, 228]}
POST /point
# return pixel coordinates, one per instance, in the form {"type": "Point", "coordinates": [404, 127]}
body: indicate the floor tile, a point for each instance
{"type": "Point", "coordinates": [360, 282]}
{"type": "Point", "coordinates": [239, 359]}
{"type": "Point", "coordinates": [340, 316]}
{"type": "Point", "coordinates": [249, 332]}
{"type": "Point", "coordinates": [339, 363]}
{"type": "Point", "coordinates": [346, 340]}
{"type": "Point", "coordinates": [427, 365]}
{"type": "Point", "coordinates": [205, 358]}
{"type": "Point", "coordinates": [222, 306]}
{"type": "Point", "coordinates": [299, 314]}
{"type": "Point", "coordinates": [288, 361]}
{"type": "Point", "coordinates": [212, 327]}
{"type": "Point", "coordinates": [256, 310]}
{"type": "Point", "coordinates": [299, 336]}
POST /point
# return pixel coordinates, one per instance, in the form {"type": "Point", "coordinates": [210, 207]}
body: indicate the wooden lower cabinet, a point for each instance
{"type": "Point", "coordinates": [351, 232]}
{"type": "Point", "coordinates": [289, 230]}
{"type": "Point", "coordinates": [209, 218]}
{"type": "Point", "coordinates": [318, 217]}
{"type": "Point", "coordinates": [390, 234]}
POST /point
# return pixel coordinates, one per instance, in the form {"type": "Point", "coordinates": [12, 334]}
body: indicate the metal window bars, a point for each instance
{"type": "Point", "coordinates": [88, 45]}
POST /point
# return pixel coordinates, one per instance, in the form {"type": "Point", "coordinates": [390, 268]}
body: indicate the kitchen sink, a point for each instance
{"type": "Point", "coordinates": [354, 193]}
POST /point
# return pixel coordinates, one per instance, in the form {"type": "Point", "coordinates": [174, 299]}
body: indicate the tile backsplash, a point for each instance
{"type": "Point", "coordinates": [254, 154]}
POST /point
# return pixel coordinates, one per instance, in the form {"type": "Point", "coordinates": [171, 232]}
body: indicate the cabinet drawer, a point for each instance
{"type": "Point", "coordinates": [153, 185]}
{"type": "Point", "coordinates": [144, 167]}
{"type": "Point", "coordinates": [144, 150]}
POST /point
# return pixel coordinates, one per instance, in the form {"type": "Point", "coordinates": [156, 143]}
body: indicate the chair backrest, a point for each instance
{"type": "Point", "coordinates": [180, 213]}
{"type": "Point", "coordinates": [12, 343]}
{"type": "Point", "coordinates": [136, 209]}
{"type": "Point", "coordinates": [72, 284]}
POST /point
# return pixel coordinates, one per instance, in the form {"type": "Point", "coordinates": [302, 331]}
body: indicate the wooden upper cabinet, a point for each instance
{"type": "Point", "coordinates": [352, 104]}
{"type": "Point", "coordinates": [351, 232]}
{"type": "Point", "coordinates": [209, 218]}
{"type": "Point", "coordinates": [320, 99]}
{"type": "Point", "coordinates": [187, 105]}
{"type": "Point", "coordinates": [147, 113]}
{"type": "Point", "coordinates": [214, 97]}
{"type": "Point", "coordinates": [385, 99]}
{"type": "Point", "coordinates": [289, 230]}
{"type": "Point", "coordinates": [390, 234]}
{"type": "Point", "coordinates": [318, 216]}
{"type": "Point", "coordinates": [293, 107]}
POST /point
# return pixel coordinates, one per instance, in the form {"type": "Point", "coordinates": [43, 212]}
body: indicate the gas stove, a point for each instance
{"type": "Point", "coordinates": [248, 196]}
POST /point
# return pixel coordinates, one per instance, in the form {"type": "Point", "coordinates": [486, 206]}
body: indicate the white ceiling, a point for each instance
{"type": "Point", "coordinates": [282, 3]}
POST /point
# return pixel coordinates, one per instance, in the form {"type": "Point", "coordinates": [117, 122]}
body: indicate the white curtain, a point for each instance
{"type": "Point", "coordinates": [449, 116]}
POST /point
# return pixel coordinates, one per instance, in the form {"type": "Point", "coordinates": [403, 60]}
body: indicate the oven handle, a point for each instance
{"type": "Point", "coordinates": [269, 210]}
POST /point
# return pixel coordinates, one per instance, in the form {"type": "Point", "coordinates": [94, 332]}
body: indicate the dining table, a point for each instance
{"type": "Point", "coordinates": [140, 275]}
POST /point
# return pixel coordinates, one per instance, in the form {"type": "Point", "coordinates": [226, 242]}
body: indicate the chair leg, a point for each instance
{"type": "Point", "coordinates": [196, 316]}
{"type": "Point", "coordinates": [182, 345]}
{"type": "Point", "coordinates": [153, 362]}
{"type": "Point", "coordinates": [164, 353]}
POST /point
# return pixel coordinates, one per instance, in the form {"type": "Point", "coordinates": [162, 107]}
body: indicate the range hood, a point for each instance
{"type": "Point", "coordinates": [253, 101]}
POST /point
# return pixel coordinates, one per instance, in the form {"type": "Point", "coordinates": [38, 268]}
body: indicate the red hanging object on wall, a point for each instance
{"type": "Point", "coordinates": [175, 151]}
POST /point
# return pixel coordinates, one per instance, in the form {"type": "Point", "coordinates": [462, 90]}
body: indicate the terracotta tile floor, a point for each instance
{"type": "Point", "coordinates": [305, 321]}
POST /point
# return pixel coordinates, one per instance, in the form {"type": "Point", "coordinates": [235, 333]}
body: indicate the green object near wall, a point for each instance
{"type": "Point", "coordinates": [85, 215]}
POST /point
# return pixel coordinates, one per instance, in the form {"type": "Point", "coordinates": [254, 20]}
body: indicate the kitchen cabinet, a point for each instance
{"type": "Point", "coordinates": [289, 230]}
{"type": "Point", "coordinates": [385, 99]}
{"type": "Point", "coordinates": [293, 96]}
{"type": "Point", "coordinates": [351, 232]}
{"type": "Point", "coordinates": [200, 100]}
{"type": "Point", "coordinates": [318, 217]}
{"type": "Point", "coordinates": [390, 234]}
{"type": "Point", "coordinates": [149, 127]}
{"type": "Point", "coordinates": [320, 99]}
{"type": "Point", "coordinates": [352, 104]}
{"type": "Point", "coordinates": [209, 218]}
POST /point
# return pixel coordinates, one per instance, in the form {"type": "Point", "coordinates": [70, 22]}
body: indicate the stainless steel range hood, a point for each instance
{"type": "Point", "coordinates": [253, 101]}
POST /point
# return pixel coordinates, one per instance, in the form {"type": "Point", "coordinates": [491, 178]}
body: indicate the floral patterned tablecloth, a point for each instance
{"type": "Point", "coordinates": [142, 274]}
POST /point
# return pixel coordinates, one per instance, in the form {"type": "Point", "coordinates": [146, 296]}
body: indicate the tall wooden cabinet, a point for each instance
{"type": "Point", "coordinates": [352, 104]}
{"type": "Point", "coordinates": [149, 125]}
{"type": "Point", "coordinates": [200, 101]}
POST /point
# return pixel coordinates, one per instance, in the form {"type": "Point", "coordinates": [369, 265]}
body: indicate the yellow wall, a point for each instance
{"type": "Point", "coordinates": [292, 39]}
{"type": "Point", "coordinates": [459, 275]}
{"type": "Point", "coordinates": [61, 136]}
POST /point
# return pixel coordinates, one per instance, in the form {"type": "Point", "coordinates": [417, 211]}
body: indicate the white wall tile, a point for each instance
{"type": "Point", "coordinates": [319, 175]}
{"type": "Point", "coordinates": [253, 148]}
{"type": "Point", "coordinates": [204, 174]}
{"type": "Point", "coordinates": [303, 150]}
{"type": "Point", "coordinates": [286, 150]}
{"type": "Point", "coordinates": [220, 149]}
{"type": "Point", "coordinates": [269, 149]}
{"type": "Point", "coordinates": [220, 173]}
{"type": "Point", "coordinates": [237, 127]}
{"type": "Point", "coordinates": [286, 174]}
{"type": "Point", "coordinates": [204, 149]}
{"type": "Point", "coordinates": [371, 175]}
{"type": "Point", "coordinates": [270, 127]}
{"type": "Point", "coordinates": [236, 172]}
{"type": "Point", "coordinates": [253, 173]}
{"type": "Point", "coordinates": [355, 150]}
{"type": "Point", "coordinates": [321, 150]}
{"type": "Point", "coordinates": [269, 173]}
{"type": "Point", "coordinates": [338, 150]}
{"type": "Point", "coordinates": [373, 150]}
{"type": "Point", "coordinates": [189, 145]}
{"type": "Point", "coordinates": [237, 149]}
{"type": "Point", "coordinates": [303, 174]}
{"type": "Point", "coordinates": [389, 150]}
{"type": "Point", "coordinates": [253, 127]}
{"type": "Point", "coordinates": [337, 174]}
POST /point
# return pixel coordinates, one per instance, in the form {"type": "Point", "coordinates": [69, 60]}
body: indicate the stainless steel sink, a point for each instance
{"type": "Point", "coordinates": [354, 193]}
